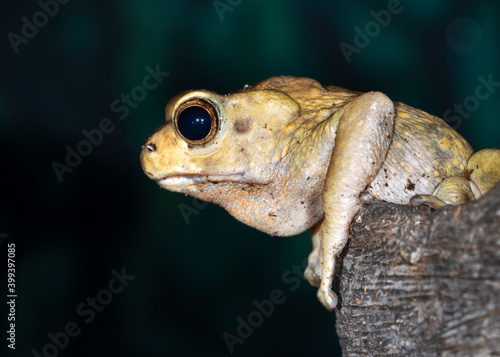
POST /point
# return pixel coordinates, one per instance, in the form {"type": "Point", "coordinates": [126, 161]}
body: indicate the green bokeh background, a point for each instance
{"type": "Point", "coordinates": [192, 280]}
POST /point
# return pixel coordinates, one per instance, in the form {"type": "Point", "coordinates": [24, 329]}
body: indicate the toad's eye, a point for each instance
{"type": "Point", "coordinates": [196, 121]}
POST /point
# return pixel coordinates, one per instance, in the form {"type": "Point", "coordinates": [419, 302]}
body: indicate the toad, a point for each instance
{"type": "Point", "coordinates": [288, 154]}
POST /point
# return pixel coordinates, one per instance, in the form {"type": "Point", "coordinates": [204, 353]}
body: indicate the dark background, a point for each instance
{"type": "Point", "coordinates": [192, 280]}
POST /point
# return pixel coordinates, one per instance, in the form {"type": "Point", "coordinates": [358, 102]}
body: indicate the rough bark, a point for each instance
{"type": "Point", "coordinates": [422, 282]}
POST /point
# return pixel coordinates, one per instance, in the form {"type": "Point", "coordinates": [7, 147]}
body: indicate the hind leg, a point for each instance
{"type": "Point", "coordinates": [483, 171]}
{"type": "Point", "coordinates": [453, 190]}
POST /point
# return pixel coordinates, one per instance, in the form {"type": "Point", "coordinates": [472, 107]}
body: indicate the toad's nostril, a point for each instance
{"type": "Point", "coordinates": [151, 147]}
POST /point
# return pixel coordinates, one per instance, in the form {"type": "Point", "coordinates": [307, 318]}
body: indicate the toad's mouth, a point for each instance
{"type": "Point", "coordinates": [173, 181]}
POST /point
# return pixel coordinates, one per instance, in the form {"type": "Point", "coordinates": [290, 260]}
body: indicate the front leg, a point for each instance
{"type": "Point", "coordinates": [363, 137]}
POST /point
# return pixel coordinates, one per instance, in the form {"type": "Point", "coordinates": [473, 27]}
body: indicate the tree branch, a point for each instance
{"type": "Point", "coordinates": [417, 281]}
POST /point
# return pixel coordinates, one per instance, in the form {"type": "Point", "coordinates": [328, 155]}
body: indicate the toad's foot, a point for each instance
{"type": "Point", "coordinates": [313, 270]}
{"type": "Point", "coordinates": [327, 269]}
{"type": "Point", "coordinates": [453, 190]}
{"type": "Point", "coordinates": [328, 298]}
{"type": "Point", "coordinates": [427, 200]}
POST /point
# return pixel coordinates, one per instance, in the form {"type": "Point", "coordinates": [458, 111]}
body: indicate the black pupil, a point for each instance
{"type": "Point", "coordinates": [194, 123]}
